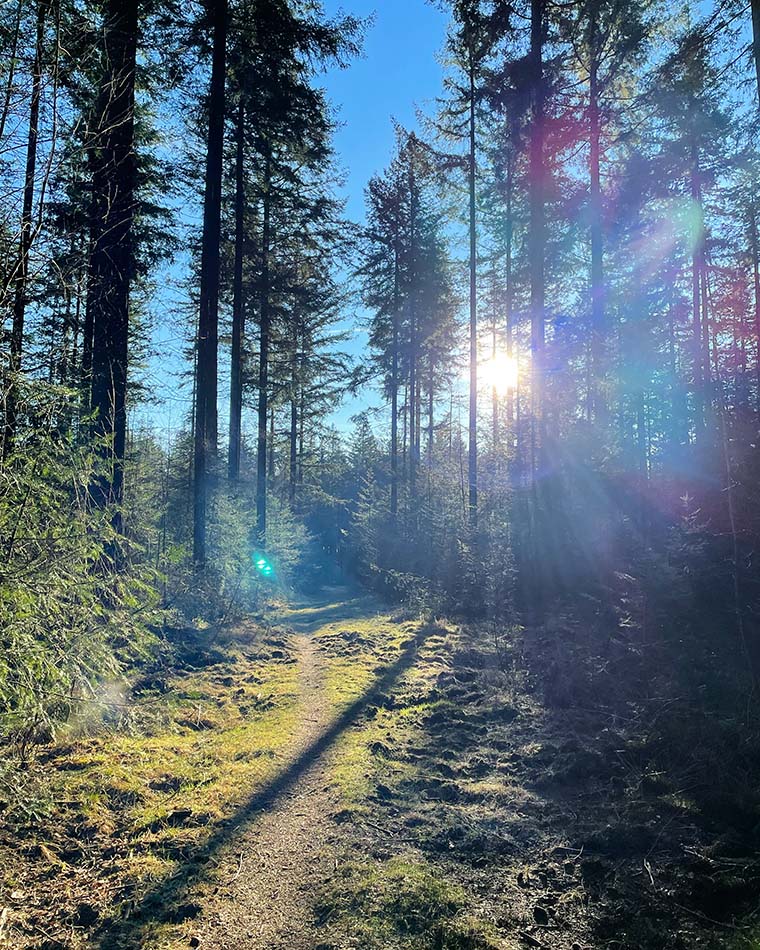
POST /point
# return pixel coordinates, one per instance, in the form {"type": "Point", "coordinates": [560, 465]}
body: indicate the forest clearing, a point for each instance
{"type": "Point", "coordinates": [380, 474]}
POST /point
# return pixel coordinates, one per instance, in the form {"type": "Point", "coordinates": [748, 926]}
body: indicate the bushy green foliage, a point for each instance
{"type": "Point", "coordinates": [75, 598]}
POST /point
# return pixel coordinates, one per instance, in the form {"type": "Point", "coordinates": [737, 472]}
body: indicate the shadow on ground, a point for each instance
{"type": "Point", "coordinates": [165, 902]}
{"type": "Point", "coordinates": [308, 616]}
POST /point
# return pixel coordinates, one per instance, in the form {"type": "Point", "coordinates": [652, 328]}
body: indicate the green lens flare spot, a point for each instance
{"type": "Point", "coordinates": [263, 565]}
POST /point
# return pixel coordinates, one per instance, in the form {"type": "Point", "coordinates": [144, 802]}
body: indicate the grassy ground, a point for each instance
{"type": "Point", "coordinates": [485, 818]}
{"type": "Point", "coordinates": [467, 810]}
{"type": "Point", "coordinates": [114, 806]}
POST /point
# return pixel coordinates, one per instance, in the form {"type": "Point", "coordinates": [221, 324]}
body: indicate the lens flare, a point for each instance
{"type": "Point", "coordinates": [500, 373]}
{"type": "Point", "coordinates": [263, 565]}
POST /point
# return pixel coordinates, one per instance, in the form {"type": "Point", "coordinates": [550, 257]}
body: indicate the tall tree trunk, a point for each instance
{"type": "Point", "coordinates": [301, 418]}
{"type": "Point", "coordinates": [264, 330]}
{"type": "Point", "coordinates": [95, 212]}
{"type": "Point", "coordinates": [270, 446]}
{"type": "Point", "coordinates": [537, 533]}
{"type": "Point", "coordinates": [597, 250]}
{"type": "Point", "coordinates": [537, 237]}
{"type": "Point", "coordinates": [431, 409]}
{"type": "Point", "coordinates": [413, 329]}
{"type": "Point", "coordinates": [293, 461]}
{"type": "Point", "coordinates": [472, 455]}
{"type": "Point", "coordinates": [418, 421]}
{"type": "Point", "coordinates": [208, 324]}
{"type": "Point", "coordinates": [495, 391]}
{"type": "Point", "coordinates": [405, 416]}
{"type": "Point", "coordinates": [697, 263]}
{"type": "Point", "coordinates": [21, 271]}
{"type": "Point", "coordinates": [755, 4]}
{"type": "Point", "coordinates": [238, 306]}
{"type": "Point", "coordinates": [394, 384]}
{"type": "Point", "coordinates": [12, 53]}
{"type": "Point", "coordinates": [294, 393]}
{"type": "Point", "coordinates": [755, 249]}
{"type": "Point", "coordinates": [111, 261]}
{"type": "Point", "coordinates": [509, 291]}
{"type": "Point", "coordinates": [708, 373]}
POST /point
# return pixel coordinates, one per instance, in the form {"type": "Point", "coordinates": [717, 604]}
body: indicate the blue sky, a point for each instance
{"type": "Point", "coordinates": [397, 74]}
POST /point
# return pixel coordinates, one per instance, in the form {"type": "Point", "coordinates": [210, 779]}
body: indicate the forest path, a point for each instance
{"type": "Point", "coordinates": [267, 875]}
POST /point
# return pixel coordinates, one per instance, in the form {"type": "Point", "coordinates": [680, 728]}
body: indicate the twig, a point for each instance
{"type": "Point", "coordinates": [240, 868]}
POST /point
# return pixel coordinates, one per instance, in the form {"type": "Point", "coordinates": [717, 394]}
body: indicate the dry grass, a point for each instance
{"type": "Point", "coordinates": [97, 819]}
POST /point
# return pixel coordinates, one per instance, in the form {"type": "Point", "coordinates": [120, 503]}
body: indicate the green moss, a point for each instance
{"type": "Point", "coordinates": [151, 791]}
{"type": "Point", "coordinates": [405, 904]}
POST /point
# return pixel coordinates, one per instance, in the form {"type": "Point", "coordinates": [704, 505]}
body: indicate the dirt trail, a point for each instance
{"type": "Point", "coordinates": [267, 873]}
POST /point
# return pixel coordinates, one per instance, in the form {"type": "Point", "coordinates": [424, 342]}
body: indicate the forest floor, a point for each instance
{"type": "Point", "coordinates": [344, 777]}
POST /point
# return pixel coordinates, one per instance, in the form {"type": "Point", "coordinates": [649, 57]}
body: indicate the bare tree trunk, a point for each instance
{"type": "Point", "coordinates": [509, 292]}
{"type": "Point", "coordinates": [537, 238]}
{"type": "Point", "coordinates": [405, 412]}
{"type": "Point", "coordinates": [301, 418]}
{"type": "Point", "coordinates": [264, 330]}
{"type": "Point", "coordinates": [597, 251]}
{"type": "Point", "coordinates": [238, 306]}
{"type": "Point", "coordinates": [294, 392]}
{"type": "Point", "coordinates": [293, 461]}
{"type": "Point", "coordinates": [12, 53]}
{"type": "Point", "coordinates": [431, 409]}
{"type": "Point", "coordinates": [708, 374]}
{"type": "Point", "coordinates": [111, 261]}
{"type": "Point", "coordinates": [394, 385]}
{"type": "Point", "coordinates": [755, 249]}
{"type": "Point", "coordinates": [755, 4]}
{"type": "Point", "coordinates": [472, 455]}
{"type": "Point", "coordinates": [270, 447]}
{"type": "Point", "coordinates": [536, 251]}
{"type": "Point", "coordinates": [413, 341]}
{"type": "Point", "coordinates": [697, 263]}
{"type": "Point", "coordinates": [205, 447]}
{"type": "Point", "coordinates": [85, 370]}
{"type": "Point", "coordinates": [495, 391]}
{"type": "Point", "coordinates": [25, 242]}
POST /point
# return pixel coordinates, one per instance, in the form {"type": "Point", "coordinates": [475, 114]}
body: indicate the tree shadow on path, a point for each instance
{"type": "Point", "coordinates": [162, 903]}
{"type": "Point", "coordinates": [312, 615]}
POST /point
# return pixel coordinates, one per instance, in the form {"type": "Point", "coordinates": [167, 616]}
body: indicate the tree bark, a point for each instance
{"type": "Point", "coordinates": [413, 329]}
{"type": "Point", "coordinates": [755, 4]}
{"type": "Point", "coordinates": [431, 411]}
{"type": "Point", "coordinates": [537, 237]}
{"type": "Point", "coordinates": [598, 328]}
{"type": "Point", "coordinates": [270, 445]}
{"type": "Point", "coordinates": [293, 439]}
{"type": "Point", "coordinates": [755, 249]}
{"type": "Point", "coordinates": [395, 382]}
{"type": "Point", "coordinates": [11, 70]}
{"type": "Point", "coordinates": [205, 441]}
{"type": "Point", "coordinates": [264, 331]}
{"type": "Point", "coordinates": [696, 279]}
{"type": "Point", "coordinates": [472, 454]}
{"type": "Point", "coordinates": [238, 306]}
{"type": "Point", "coordinates": [509, 291]}
{"type": "Point", "coordinates": [112, 255]}
{"type": "Point", "coordinates": [25, 241]}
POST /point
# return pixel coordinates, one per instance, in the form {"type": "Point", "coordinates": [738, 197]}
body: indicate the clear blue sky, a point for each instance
{"type": "Point", "coordinates": [397, 74]}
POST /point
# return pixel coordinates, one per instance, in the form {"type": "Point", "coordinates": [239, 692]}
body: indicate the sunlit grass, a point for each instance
{"type": "Point", "coordinates": [150, 792]}
{"type": "Point", "coordinates": [403, 903]}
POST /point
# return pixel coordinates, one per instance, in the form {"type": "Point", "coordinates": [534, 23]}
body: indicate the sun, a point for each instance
{"type": "Point", "coordinates": [499, 373]}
